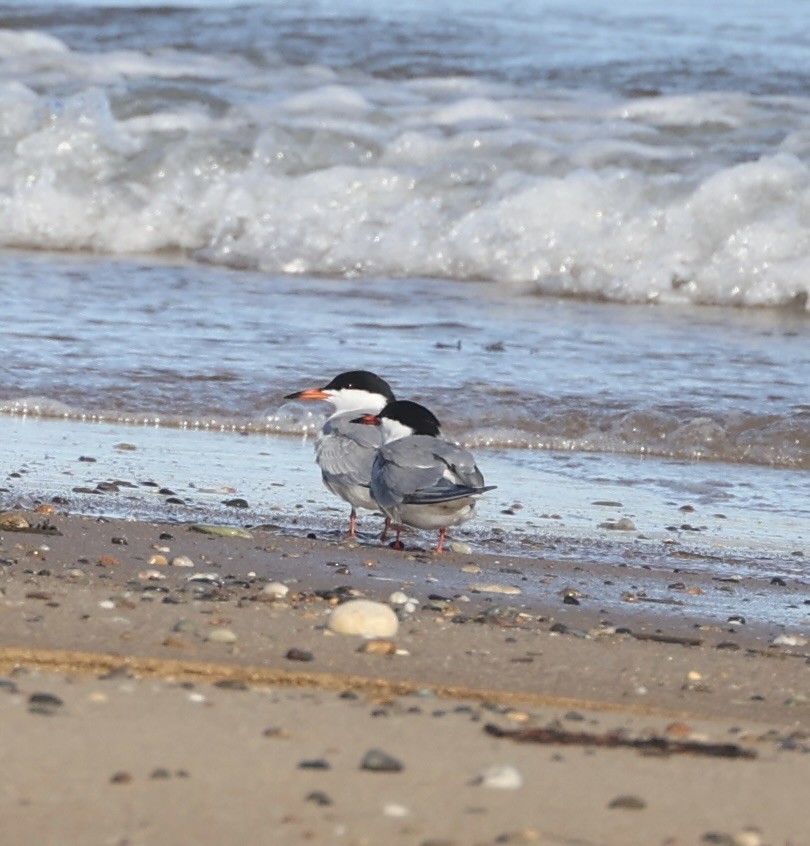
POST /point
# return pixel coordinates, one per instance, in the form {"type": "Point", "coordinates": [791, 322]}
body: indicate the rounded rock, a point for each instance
{"type": "Point", "coordinates": [363, 617]}
{"type": "Point", "coordinates": [276, 589]}
{"type": "Point", "coordinates": [182, 561]}
{"type": "Point", "coordinates": [221, 636]}
{"type": "Point", "coordinates": [501, 777]}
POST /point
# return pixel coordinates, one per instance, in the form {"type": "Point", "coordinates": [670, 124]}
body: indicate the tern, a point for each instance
{"type": "Point", "coordinates": [345, 448]}
{"type": "Point", "coordinates": [418, 478]}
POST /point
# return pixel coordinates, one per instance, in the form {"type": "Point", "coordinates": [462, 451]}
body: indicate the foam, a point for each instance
{"type": "Point", "coordinates": [315, 171]}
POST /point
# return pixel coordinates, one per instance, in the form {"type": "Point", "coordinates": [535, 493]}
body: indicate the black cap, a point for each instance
{"type": "Point", "coordinates": [361, 380]}
{"type": "Point", "coordinates": [417, 417]}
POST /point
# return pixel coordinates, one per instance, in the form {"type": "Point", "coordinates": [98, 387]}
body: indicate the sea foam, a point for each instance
{"type": "Point", "coordinates": [686, 199]}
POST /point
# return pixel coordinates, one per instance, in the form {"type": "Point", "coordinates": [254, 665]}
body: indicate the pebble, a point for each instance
{"type": "Point", "coordinates": [789, 640]}
{"type": "Point", "coordinates": [461, 547]}
{"type": "Point", "coordinates": [222, 531]}
{"type": "Point", "coordinates": [628, 803]}
{"type": "Point", "coordinates": [378, 761]}
{"type": "Point", "coordinates": [181, 561]}
{"type": "Point", "coordinates": [315, 764]}
{"type": "Point", "coordinates": [106, 604]}
{"type": "Point", "coordinates": [231, 684]}
{"type": "Point", "coordinates": [45, 508]}
{"type": "Point", "coordinates": [151, 575]}
{"type": "Point", "coordinates": [222, 636]}
{"type": "Point", "coordinates": [393, 809]}
{"type": "Point", "coordinates": [299, 655]}
{"type": "Point", "coordinates": [363, 617]}
{"type": "Point", "coordinates": [398, 597]}
{"type": "Point", "coordinates": [276, 589]}
{"type": "Point", "coordinates": [508, 590]}
{"type": "Point", "coordinates": [747, 837]}
{"type": "Point", "coordinates": [470, 568]}
{"type": "Point", "coordinates": [121, 778]}
{"type": "Point", "coordinates": [318, 797]}
{"type": "Point", "coordinates": [500, 777]}
{"type": "Point", "coordinates": [13, 522]}
{"type": "Point", "coordinates": [157, 561]}
{"type": "Point", "coordinates": [623, 524]}
{"type": "Point", "coordinates": [44, 703]}
{"type": "Point", "coordinates": [378, 647]}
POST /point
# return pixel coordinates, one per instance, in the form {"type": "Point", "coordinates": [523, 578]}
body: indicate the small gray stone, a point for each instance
{"type": "Point", "coordinates": [378, 761]}
{"type": "Point", "coordinates": [628, 803]}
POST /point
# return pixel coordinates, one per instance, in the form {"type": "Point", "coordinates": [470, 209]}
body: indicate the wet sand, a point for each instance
{"type": "Point", "coordinates": [193, 706]}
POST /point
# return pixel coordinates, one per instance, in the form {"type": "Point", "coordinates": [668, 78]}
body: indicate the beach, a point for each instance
{"type": "Point", "coordinates": [578, 235]}
{"type": "Point", "coordinates": [188, 734]}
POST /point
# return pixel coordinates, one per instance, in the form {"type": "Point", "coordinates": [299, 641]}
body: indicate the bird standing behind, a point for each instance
{"type": "Point", "coordinates": [418, 479]}
{"type": "Point", "coordinates": [345, 449]}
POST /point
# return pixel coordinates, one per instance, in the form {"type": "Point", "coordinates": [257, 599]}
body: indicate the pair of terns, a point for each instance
{"type": "Point", "coordinates": [377, 452]}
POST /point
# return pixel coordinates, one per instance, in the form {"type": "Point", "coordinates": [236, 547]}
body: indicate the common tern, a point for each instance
{"type": "Point", "coordinates": [418, 478]}
{"type": "Point", "coordinates": [345, 448]}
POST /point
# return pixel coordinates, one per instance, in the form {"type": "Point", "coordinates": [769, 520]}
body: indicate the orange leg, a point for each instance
{"type": "Point", "coordinates": [386, 527]}
{"type": "Point", "coordinates": [353, 523]}
{"type": "Point", "coordinates": [397, 544]}
{"type": "Point", "coordinates": [442, 538]}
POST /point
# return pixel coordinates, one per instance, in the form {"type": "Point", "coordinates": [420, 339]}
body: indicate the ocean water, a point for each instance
{"type": "Point", "coordinates": [580, 233]}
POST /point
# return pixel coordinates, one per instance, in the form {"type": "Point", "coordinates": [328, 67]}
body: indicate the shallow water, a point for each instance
{"type": "Point", "coordinates": [189, 347]}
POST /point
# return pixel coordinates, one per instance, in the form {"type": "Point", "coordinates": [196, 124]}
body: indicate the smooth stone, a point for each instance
{"type": "Point", "coordinates": [380, 762]}
{"type": "Point", "coordinates": [276, 589]}
{"type": "Point", "coordinates": [461, 547]}
{"type": "Point", "coordinates": [501, 777]}
{"type": "Point", "coordinates": [222, 636]}
{"type": "Point", "coordinates": [398, 597]}
{"type": "Point", "coordinates": [393, 809]}
{"type": "Point", "coordinates": [789, 640]}
{"type": "Point", "coordinates": [508, 590]}
{"type": "Point", "coordinates": [628, 803]}
{"type": "Point", "coordinates": [157, 561]}
{"type": "Point", "coordinates": [182, 561]}
{"type": "Point", "coordinates": [222, 531]}
{"type": "Point", "coordinates": [378, 647]}
{"type": "Point", "coordinates": [363, 617]}
{"type": "Point", "coordinates": [13, 522]}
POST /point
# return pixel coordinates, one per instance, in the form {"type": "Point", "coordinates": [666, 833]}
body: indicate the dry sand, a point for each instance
{"type": "Point", "coordinates": [126, 722]}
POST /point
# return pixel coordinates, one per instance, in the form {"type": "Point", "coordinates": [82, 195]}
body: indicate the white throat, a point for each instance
{"type": "Point", "coordinates": [393, 430]}
{"type": "Point", "coordinates": [354, 399]}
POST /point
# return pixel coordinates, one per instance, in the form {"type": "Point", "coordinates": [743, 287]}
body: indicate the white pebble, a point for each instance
{"type": "Point", "coordinates": [151, 575]}
{"type": "Point", "coordinates": [398, 597]}
{"type": "Point", "coordinates": [221, 636]}
{"type": "Point", "coordinates": [508, 590]}
{"type": "Point", "coordinates": [501, 777]}
{"type": "Point", "coordinates": [106, 603]}
{"type": "Point", "coordinates": [789, 640]}
{"type": "Point", "coordinates": [392, 809]}
{"type": "Point", "coordinates": [182, 561]}
{"type": "Point", "coordinates": [410, 606]}
{"type": "Point", "coordinates": [196, 697]}
{"type": "Point", "coordinates": [276, 589]}
{"type": "Point", "coordinates": [460, 547]}
{"type": "Point", "coordinates": [364, 617]}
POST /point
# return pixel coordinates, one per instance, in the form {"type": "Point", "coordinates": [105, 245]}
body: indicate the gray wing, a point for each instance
{"type": "Point", "coordinates": [421, 469]}
{"type": "Point", "coordinates": [345, 450]}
